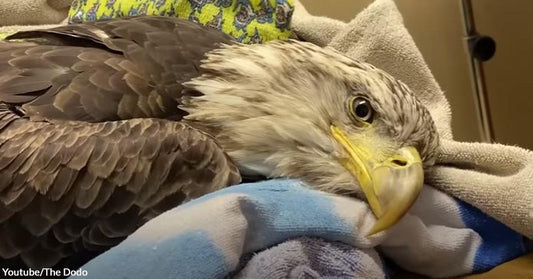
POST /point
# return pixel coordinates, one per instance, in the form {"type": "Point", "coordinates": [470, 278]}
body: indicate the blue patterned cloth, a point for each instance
{"type": "Point", "coordinates": [215, 235]}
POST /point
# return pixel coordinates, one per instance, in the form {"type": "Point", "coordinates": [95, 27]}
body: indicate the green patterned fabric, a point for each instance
{"type": "Point", "coordinates": [248, 21]}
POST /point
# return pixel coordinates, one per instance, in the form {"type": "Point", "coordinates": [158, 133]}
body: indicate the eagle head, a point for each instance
{"type": "Point", "coordinates": [293, 109]}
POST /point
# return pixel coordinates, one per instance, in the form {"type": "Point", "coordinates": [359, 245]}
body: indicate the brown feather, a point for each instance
{"type": "Point", "coordinates": [98, 177]}
{"type": "Point", "coordinates": [83, 161]}
{"type": "Point", "coordinates": [134, 70]}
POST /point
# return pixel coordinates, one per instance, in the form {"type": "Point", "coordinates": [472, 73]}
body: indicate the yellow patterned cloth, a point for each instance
{"type": "Point", "coordinates": [248, 21]}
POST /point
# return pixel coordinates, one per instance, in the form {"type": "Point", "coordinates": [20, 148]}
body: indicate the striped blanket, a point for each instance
{"type": "Point", "coordinates": [283, 229]}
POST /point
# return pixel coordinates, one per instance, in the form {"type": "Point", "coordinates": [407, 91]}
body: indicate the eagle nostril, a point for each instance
{"type": "Point", "coordinates": [398, 162]}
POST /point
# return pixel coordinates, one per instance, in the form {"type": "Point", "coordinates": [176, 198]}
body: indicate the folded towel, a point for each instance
{"type": "Point", "coordinates": [209, 237]}
{"type": "Point", "coordinates": [22, 15]}
{"type": "Point", "coordinates": [313, 258]}
{"type": "Point", "coordinates": [26, 12]}
{"type": "Point", "coordinates": [247, 21]}
{"type": "Point", "coordinates": [495, 178]}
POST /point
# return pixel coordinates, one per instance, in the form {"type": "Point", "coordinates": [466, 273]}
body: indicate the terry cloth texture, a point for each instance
{"type": "Point", "coordinates": [247, 21]}
{"type": "Point", "coordinates": [32, 12]}
{"type": "Point", "coordinates": [313, 258]}
{"type": "Point", "coordinates": [495, 178]}
{"type": "Point", "coordinates": [211, 237]}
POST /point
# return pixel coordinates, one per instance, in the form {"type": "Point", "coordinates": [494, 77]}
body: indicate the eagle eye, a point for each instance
{"type": "Point", "coordinates": [361, 109]}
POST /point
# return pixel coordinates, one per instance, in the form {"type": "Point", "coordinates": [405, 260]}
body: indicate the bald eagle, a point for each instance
{"type": "Point", "coordinates": [104, 125]}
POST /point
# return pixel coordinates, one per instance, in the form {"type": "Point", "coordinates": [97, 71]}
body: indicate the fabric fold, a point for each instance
{"type": "Point", "coordinates": [293, 231]}
{"type": "Point", "coordinates": [495, 178]}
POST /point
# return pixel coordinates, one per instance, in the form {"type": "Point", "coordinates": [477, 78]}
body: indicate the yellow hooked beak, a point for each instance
{"type": "Point", "coordinates": [391, 186]}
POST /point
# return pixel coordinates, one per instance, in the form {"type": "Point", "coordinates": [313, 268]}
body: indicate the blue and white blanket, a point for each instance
{"type": "Point", "coordinates": [311, 234]}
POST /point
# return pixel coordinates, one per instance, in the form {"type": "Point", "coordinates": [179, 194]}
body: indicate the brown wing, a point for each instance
{"type": "Point", "coordinates": [105, 70]}
{"type": "Point", "coordinates": [69, 186]}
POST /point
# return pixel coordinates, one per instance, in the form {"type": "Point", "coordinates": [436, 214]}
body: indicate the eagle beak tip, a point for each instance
{"type": "Point", "coordinates": [391, 186]}
{"type": "Point", "coordinates": [396, 188]}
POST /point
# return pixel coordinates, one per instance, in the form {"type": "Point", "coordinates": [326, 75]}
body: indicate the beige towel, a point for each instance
{"type": "Point", "coordinates": [495, 178]}
{"type": "Point", "coordinates": [28, 12]}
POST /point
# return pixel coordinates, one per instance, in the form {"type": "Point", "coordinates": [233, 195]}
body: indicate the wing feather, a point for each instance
{"type": "Point", "coordinates": [84, 161]}
{"type": "Point", "coordinates": [106, 172]}
{"type": "Point", "coordinates": [105, 70]}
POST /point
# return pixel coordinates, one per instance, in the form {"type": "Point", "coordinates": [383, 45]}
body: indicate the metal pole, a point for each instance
{"type": "Point", "coordinates": [477, 74]}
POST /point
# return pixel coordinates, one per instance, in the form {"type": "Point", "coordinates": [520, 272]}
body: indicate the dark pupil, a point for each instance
{"type": "Point", "coordinates": [362, 109]}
